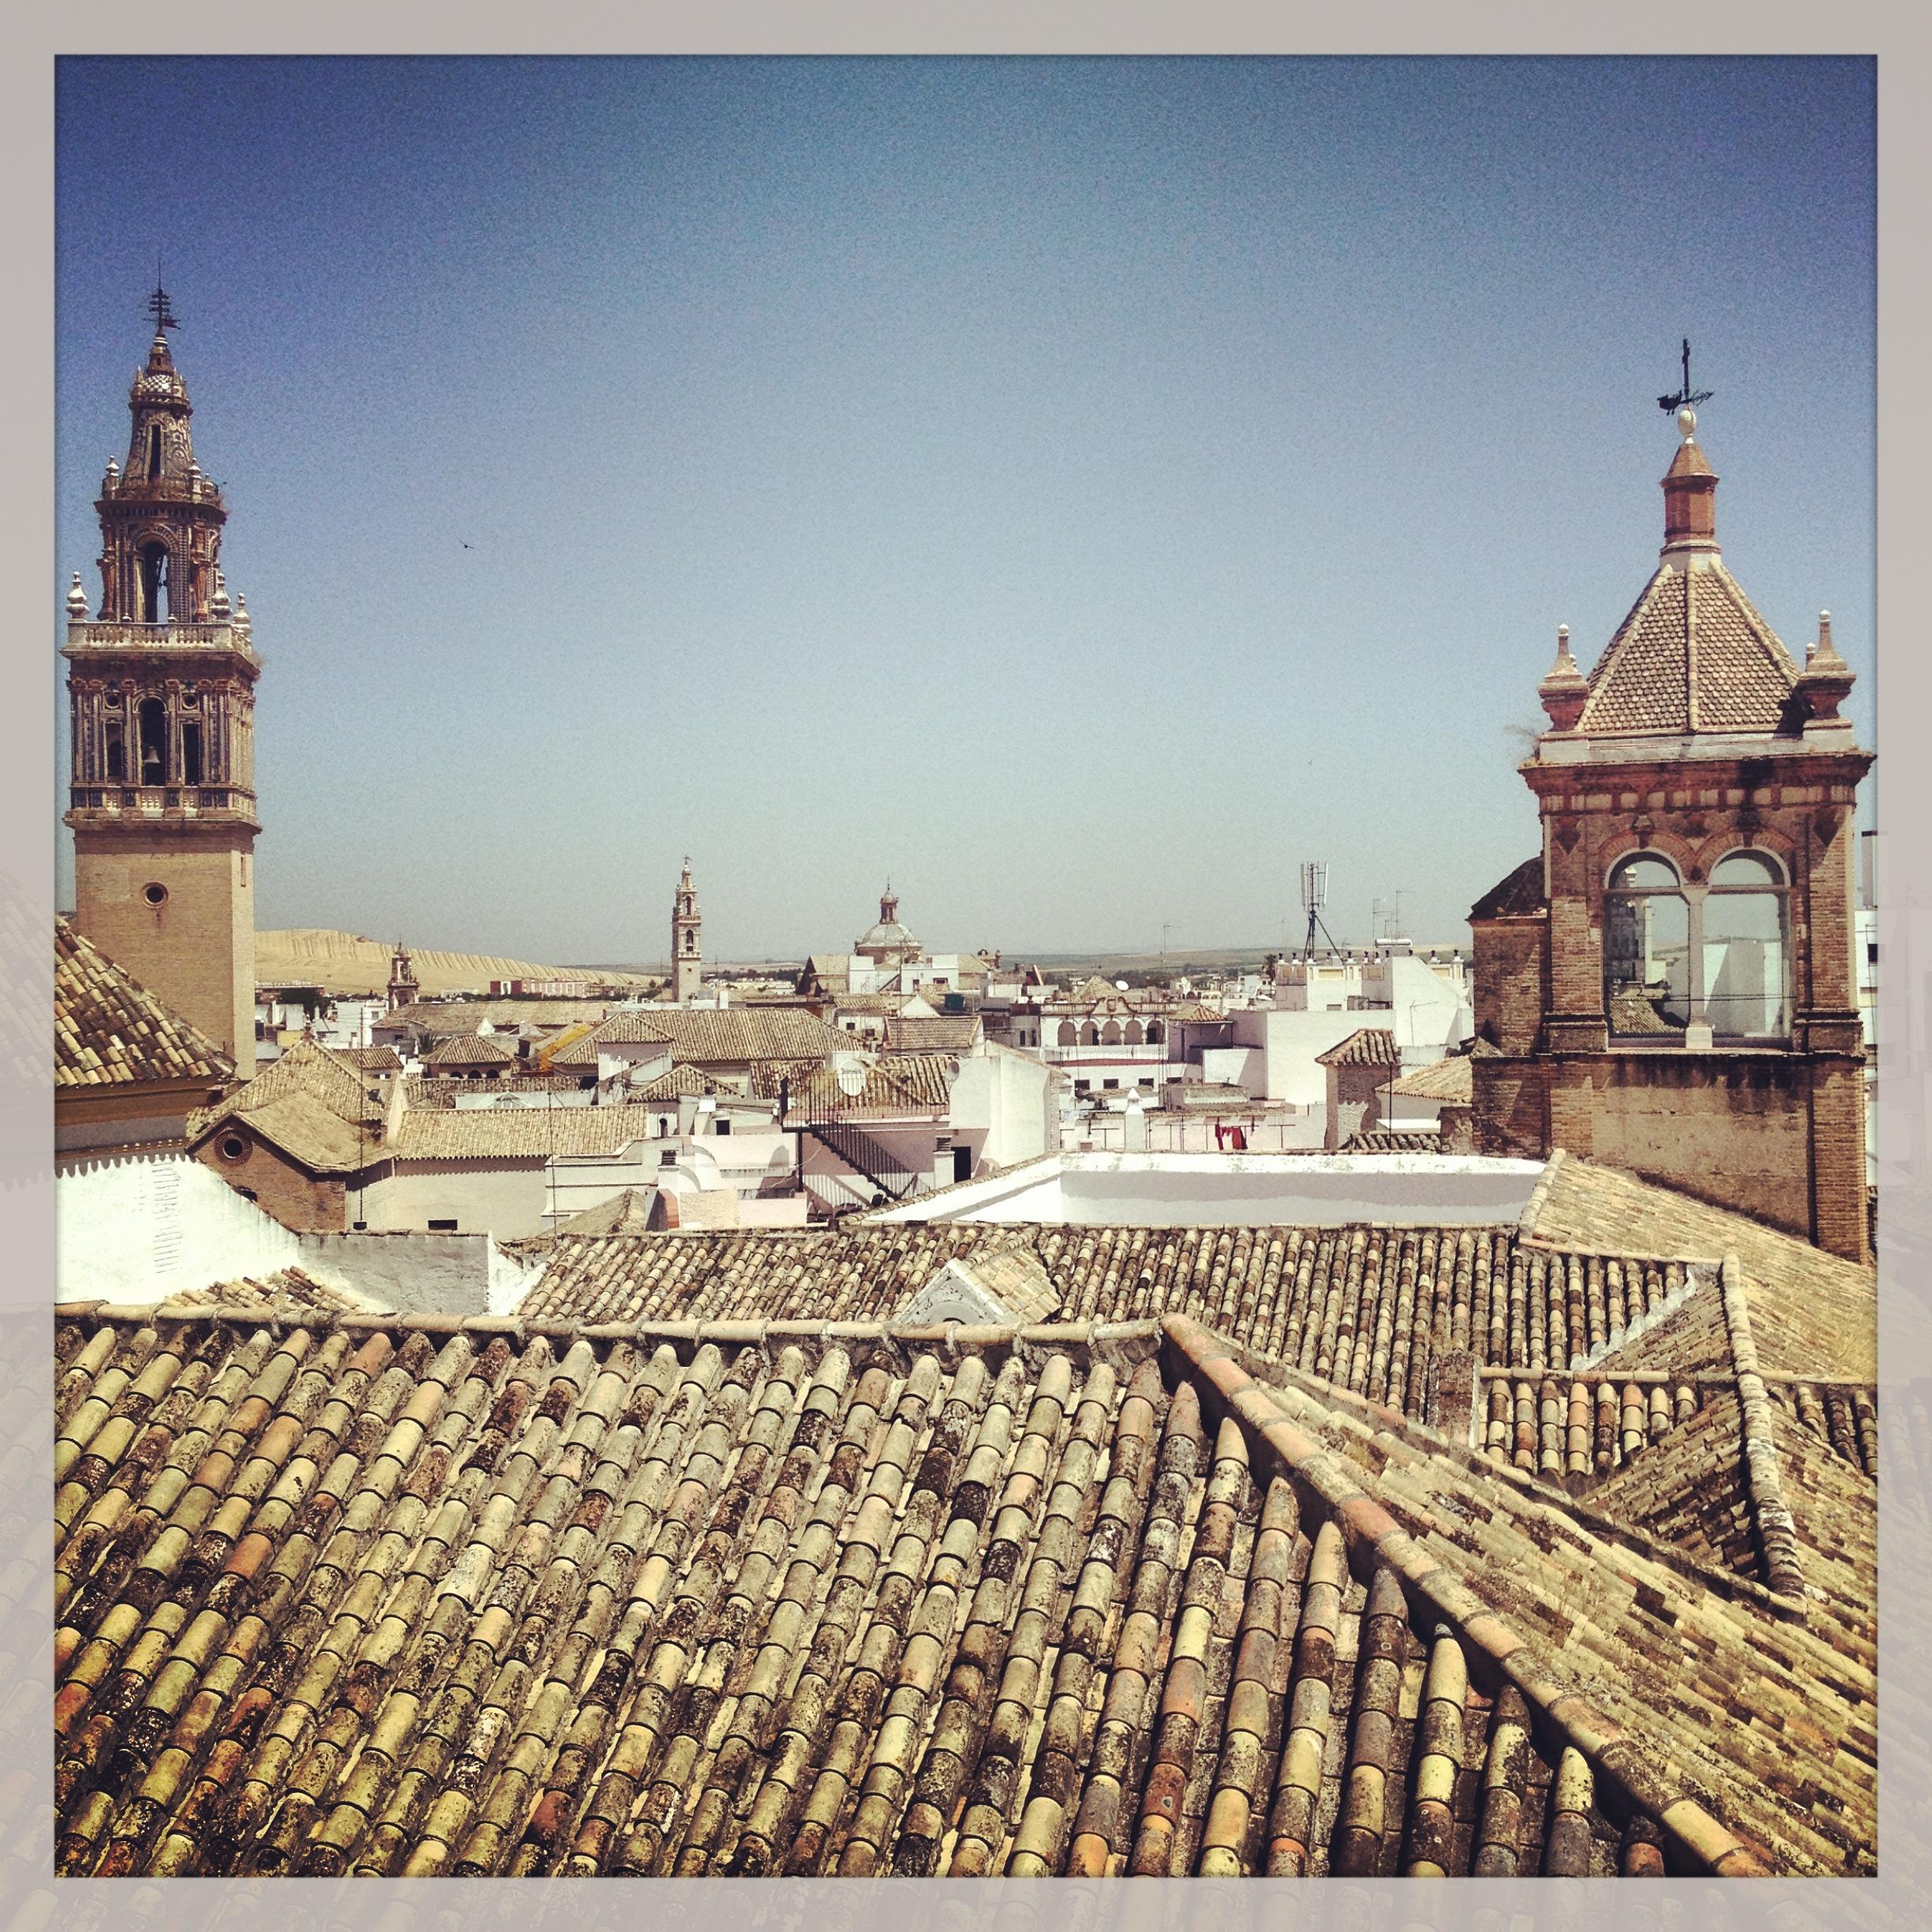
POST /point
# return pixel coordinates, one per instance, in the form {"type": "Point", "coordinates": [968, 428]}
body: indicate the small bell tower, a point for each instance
{"type": "Point", "coordinates": [687, 946]}
{"type": "Point", "coordinates": [403, 990]}
{"type": "Point", "coordinates": [162, 707]}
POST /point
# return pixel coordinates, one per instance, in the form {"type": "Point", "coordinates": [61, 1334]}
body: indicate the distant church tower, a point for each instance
{"type": "Point", "coordinates": [1667, 986]}
{"type": "Point", "coordinates": [403, 989]}
{"type": "Point", "coordinates": [686, 950]}
{"type": "Point", "coordinates": [161, 687]}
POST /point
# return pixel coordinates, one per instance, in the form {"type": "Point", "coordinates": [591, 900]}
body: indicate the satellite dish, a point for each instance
{"type": "Point", "coordinates": [850, 1071]}
{"type": "Point", "coordinates": [1120, 985]}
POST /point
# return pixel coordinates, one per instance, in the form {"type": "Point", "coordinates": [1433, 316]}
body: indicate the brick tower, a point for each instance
{"type": "Point", "coordinates": [162, 692]}
{"type": "Point", "coordinates": [687, 949]}
{"type": "Point", "coordinates": [1669, 987]}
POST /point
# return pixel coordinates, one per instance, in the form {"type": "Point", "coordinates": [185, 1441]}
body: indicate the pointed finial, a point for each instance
{"type": "Point", "coordinates": [1565, 690]}
{"type": "Point", "coordinates": [76, 602]}
{"type": "Point", "coordinates": [219, 609]}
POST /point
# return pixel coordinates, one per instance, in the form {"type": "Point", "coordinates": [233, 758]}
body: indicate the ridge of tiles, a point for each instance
{"type": "Point", "coordinates": [354, 1600]}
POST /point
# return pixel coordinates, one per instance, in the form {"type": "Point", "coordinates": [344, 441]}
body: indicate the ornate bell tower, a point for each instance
{"type": "Point", "coordinates": [687, 951]}
{"type": "Point", "coordinates": [162, 692]}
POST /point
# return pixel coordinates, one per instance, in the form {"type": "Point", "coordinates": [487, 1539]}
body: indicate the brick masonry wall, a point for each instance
{"type": "Point", "coordinates": [309, 1204]}
{"type": "Point", "coordinates": [1507, 992]}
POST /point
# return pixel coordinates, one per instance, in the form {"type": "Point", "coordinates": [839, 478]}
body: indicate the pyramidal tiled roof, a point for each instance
{"type": "Point", "coordinates": [450, 1597]}
{"type": "Point", "coordinates": [1693, 655]}
{"type": "Point", "coordinates": [109, 1029]}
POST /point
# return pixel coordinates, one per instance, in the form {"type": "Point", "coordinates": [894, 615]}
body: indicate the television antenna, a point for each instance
{"type": "Point", "coordinates": [1314, 897]}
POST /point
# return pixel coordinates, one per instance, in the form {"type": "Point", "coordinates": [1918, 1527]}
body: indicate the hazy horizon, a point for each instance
{"type": "Point", "coordinates": [1079, 489]}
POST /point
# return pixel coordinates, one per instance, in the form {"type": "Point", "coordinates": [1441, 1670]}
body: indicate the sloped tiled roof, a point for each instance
{"type": "Point", "coordinates": [1516, 895]}
{"type": "Point", "coordinates": [473, 1050]}
{"type": "Point", "coordinates": [628, 1212]}
{"type": "Point", "coordinates": [311, 1102]}
{"type": "Point", "coordinates": [372, 1059]}
{"type": "Point", "coordinates": [1365, 1046]}
{"type": "Point", "coordinates": [945, 1033]}
{"type": "Point", "coordinates": [1693, 655]}
{"type": "Point", "coordinates": [515, 1133]}
{"type": "Point", "coordinates": [1393, 1140]}
{"type": "Point", "coordinates": [109, 1030]}
{"type": "Point", "coordinates": [445, 1019]}
{"type": "Point", "coordinates": [458, 1597]}
{"type": "Point", "coordinates": [676, 1083]}
{"type": "Point", "coordinates": [1442, 1079]}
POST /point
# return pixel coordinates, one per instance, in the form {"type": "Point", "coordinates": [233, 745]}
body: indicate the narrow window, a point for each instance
{"type": "Point", "coordinates": [191, 753]}
{"type": "Point", "coordinates": [1647, 950]}
{"type": "Point", "coordinates": [154, 450]}
{"type": "Point", "coordinates": [117, 752]}
{"type": "Point", "coordinates": [153, 742]}
{"type": "Point", "coordinates": [442, 1227]}
{"type": "Point", "coordinates": [1744, 953]}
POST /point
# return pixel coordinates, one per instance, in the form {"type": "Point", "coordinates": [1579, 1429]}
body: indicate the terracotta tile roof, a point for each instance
{"type": "Point", "coordinates": [1365, 1046]}
{"type": "Point", "coordinates": [626, 1213]}
{"type": "Point", "coordinates": [1516, 895]}
{"type": "Point", "coordinates": [473, 1050]}
{"type": "Point", "coordinates": [110, 1030]}
{"type": "Point", "coordinates": [316, 1107]}
{"type": "Point", "coordinates": [1446, 1080]}
{"type": "Point", "coordinates": [515, 1133]}
{"type": "Point", "coordinates": [312, 1103]}
{"type": "Point", "coordinates": [458, 1598]}
{"type": "Point", "coordinates": [290, 1291]}
{"type": "Point", "coordinates": [947, 1033]}
{"type": "Point", "coordinates": [1693, 655]}
{"type": "Point", "coordinates": [1393, 1140]}
{"type": "Point", "coordinates": [372, 1059]}
{"type": "Point", "coordinates": [675, 1084]}
{"type": "Point", "coordinates": [1811, 1313]}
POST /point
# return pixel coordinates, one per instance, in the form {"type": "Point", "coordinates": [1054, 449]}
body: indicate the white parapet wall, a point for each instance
{"type": "Point", "coordinates": [1237, 1190]}
{"type": "Point", "coordinates": [139, 1228]}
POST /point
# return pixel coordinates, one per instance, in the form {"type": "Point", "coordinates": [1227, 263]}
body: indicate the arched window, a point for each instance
{"type": "Point", "coordinates": [153, 742]}
{"type": "Point", "coordinates": [1089, 1035]}
{"type": "Point", "coordinates": [1069, 1034]}
{"type": "Point", "coordinates": [151, 583]}
{"type": "Point", "coordinates": [1745, 948]}
{"type": "Point", "coordinates": [1155, 1033]}
{"type": "Point", "coordinates": [1647, 950]}
{"type": "Point", "coordinates": [1110, 1033]}
{"type": "Point", "coordinates": [1134, 1035]}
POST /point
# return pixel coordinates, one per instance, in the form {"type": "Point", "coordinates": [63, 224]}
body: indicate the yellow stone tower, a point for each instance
{"type": "Point", "coordinates": [162, 703]}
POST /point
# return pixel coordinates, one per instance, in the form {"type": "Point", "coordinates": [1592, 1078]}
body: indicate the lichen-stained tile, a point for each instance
{"type": "Point", "coordinates": [740, 1600]}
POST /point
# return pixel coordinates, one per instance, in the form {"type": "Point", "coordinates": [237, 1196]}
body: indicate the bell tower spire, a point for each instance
{"type": "Point", "coordinates": [162, 690]}
{"type": "Point", "coordinates": [687, 946]}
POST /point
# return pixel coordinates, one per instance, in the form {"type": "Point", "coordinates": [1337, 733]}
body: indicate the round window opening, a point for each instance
{"type": "Point", "coordinates": [232, 1147]}
{"type": "Point", "coordinates": [155, 895]}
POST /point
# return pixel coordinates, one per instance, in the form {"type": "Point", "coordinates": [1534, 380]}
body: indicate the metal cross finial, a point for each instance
{"type": "Point", "coordinates": [1685, 398]}
{"type": "Point", "coordinates": [158, 303]}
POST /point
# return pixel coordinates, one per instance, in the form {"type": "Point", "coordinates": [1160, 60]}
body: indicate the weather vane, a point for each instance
{"type": "Point", "coordinates": [158, 303]}
{"type": "Point", "coordinates": [1685, 397]}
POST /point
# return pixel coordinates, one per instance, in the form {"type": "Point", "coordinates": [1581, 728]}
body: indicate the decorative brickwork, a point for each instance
{"type": "Point", "coordinates": [1644, 1009]}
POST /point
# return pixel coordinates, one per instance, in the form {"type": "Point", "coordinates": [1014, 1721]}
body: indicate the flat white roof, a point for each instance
{"type": "Point", "coordinates": [1237, 1190]}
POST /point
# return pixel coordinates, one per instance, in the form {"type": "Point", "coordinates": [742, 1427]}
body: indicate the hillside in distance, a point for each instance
{"type": "Point", "coordinates": [344, 964]}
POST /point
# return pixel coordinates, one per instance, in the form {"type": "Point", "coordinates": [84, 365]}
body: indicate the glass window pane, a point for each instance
{"type": "Point", "coordinates": [1645, 870]}
{"type": "Point", "coordinates": [1647, 964]}
{"type": "Point", "coordinates": [1747, 868]}
{"type": "Point", "coordinates": [1744, 964]}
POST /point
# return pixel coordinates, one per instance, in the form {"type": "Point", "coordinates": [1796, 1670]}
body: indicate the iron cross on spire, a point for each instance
{"type": "Point", "coordinates": [158, 303]}
{"type": "Point", "coordinates": [1685, 398]}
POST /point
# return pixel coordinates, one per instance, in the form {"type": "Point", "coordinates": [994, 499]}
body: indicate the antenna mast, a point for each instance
{"type": "Point", "coordinates": [1314, 897]}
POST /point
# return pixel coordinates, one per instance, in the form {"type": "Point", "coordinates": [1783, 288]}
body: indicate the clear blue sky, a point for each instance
{"type": "Point", "coordinates": [1080, 488]}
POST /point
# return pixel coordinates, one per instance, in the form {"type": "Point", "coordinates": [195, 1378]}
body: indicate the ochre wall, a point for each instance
{"type": "Point", "coordinates": [195, 952]}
